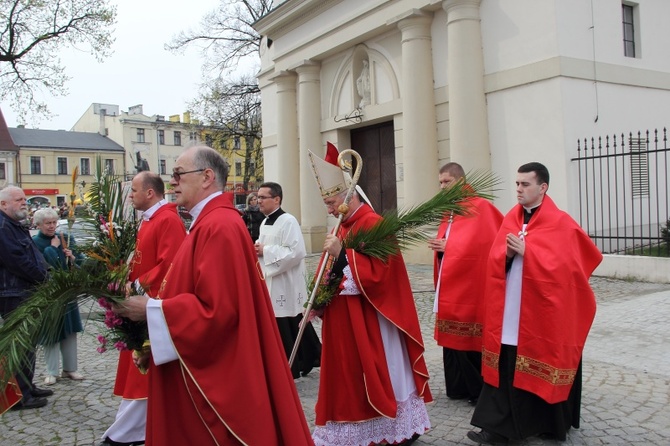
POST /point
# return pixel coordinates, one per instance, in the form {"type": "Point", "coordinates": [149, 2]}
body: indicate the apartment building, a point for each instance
{"type": "Point", "coordinates": [47, 158]}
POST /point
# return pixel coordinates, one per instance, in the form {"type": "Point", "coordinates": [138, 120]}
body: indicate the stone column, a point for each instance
{"type": "Point", "coordinates": [468, 122]}
{"type": "Point", "coordinates": [287, 142]}
{"type": "Point", "coordinates": [418, 109]}
{"type": "Point", "coordinates": [419, 119]}
{"type": "Point", "coordinates": [313, 221]}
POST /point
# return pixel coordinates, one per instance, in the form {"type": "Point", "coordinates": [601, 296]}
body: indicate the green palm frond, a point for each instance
{"type": "Point", "coordinates": [102, 275]}
{"type": "Point", "coordinates": [41, 316]}
{"type": "Point", "coordinates": [401, 230]}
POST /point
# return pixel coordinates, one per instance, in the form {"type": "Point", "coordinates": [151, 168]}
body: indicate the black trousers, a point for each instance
{"type": "Point", "coordinates": [517, 414]}
{"type": "Point", "coordinates": [462, 373]}
{"type": "Point", "coordinates": [25, 377]}
{"type": "Point", "coordinates": [309, 352]}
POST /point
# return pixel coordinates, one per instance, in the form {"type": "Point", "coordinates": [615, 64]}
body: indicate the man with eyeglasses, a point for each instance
{"type": "Point", "coordinates": [218, 370]}
{"type": "Point", "coordinates": [281, 251]}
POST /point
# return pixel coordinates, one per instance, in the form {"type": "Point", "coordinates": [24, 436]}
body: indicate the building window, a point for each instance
{"type": "Point", "coordinates": [628, 30]}
{"type": "Point", "coordinates": [109, 166]}
{"type": "Point", "coordinates": [3, 172]}
{"type": "Point", "coordinates": [236, 143]}
{"type": "Point", "coordinates": [35, 165]}
{"type": "Point", "coordinates": [163, 167]}
{"type": "Point", "coordinates": [161, 137]}
{"type": "Point", "coordinates": [209, 140]}
{"type": "Point", "coordinates": [84, 166]}
{"type": "Point", "coordinates": [177, 138]}
{"type": "Point", "coordinates": [140, 135]}
{"type": "Point", "coordinates": [193, 136]}
{"type": "Point", "coordinates": [238, 169]}
{"type": "Point", "coordinates": [62, 166]}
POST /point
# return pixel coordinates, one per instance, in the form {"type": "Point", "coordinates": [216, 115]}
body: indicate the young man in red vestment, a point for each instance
{"type": "Point", "coordinates": [160, 234]}
{"type": "Point", "coordinates": [374, 380]}
{"type": "Point", "coordinates": [219, 374]}
{"type": "Point", "coordinates": [461, 249]}
{"type": "Point", "coordinates": [539, 310]}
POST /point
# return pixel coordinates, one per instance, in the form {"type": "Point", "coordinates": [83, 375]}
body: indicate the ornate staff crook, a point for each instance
{"type": "Point", "coordinates": [343, 209]}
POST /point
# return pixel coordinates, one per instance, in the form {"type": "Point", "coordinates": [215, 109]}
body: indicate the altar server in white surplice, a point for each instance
{"type": "Point", "coordinates": [281, 253]}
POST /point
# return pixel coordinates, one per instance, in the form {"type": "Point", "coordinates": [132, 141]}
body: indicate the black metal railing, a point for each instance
{"type": "Point", "coordinates": [623, 191]}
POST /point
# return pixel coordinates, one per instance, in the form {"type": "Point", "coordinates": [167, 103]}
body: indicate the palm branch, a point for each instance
{"type": "Point", "coordinates": [41, 316]}
{"type": "Point", "coordinates": [401, 230]}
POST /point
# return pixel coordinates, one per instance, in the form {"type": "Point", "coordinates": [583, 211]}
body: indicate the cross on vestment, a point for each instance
{"type": "Point", "coordinates": [299, 298]}
{"type": "Point", "coordinates": [281, 301]}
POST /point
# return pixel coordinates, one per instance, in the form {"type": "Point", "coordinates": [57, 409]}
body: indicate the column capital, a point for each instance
{"type": "Point", "coordinates": [305, 65]}
{"type": "Point", "coordinates": [461, 9]}
{"type": "Point", "coordinates": [414, 24]}
{"type": "Point", "coordinates": [285, 80]}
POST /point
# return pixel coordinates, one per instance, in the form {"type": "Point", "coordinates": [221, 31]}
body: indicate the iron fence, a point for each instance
{"type": "Point", "coordinates": [623, 190]}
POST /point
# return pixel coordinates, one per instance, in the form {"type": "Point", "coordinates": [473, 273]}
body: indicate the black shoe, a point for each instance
{"type": "Point", "coordinates": [457, 397]}
{"type": "Point", "coordinates": [109, 442]}
{"type": "Point", "coordinates": [409, 441]}
{"type": "Point", "coordinates": [485, 437]}
{"type": "Point", "coordinates": [30, 403]}
{"type": "Point", "coordinates": [473, 401]}
{"type": "Point", "coordinates": [37, 392]}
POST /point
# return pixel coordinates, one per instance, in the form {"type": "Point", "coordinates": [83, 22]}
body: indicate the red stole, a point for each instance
{"type": "Point", "coordinates": [462, 270]}
{"type": "Point", "coordinates": [557, 302]}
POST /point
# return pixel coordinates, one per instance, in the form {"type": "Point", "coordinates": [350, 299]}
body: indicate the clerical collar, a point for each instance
{"type": "Point", "coordinates": [146, 215]}
{"type": "Point", "coordinates": [274, 215]}
{"type": "Point", "coordinates": [528, 212]}
{"type": "Point", "coordinates": [198, 207]}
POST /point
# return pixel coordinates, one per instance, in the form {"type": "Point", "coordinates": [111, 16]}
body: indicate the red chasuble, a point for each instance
{"type": "Point", "coordinates": [158, 240]}
{"type": "Point", "coordinates": [231, 384]}
{"type": "Point", "coordinates": [355, 383]}
{"type": "Point", "coordinates": [462, 272]}
{"type": "Point", "coordinates": [557, 302]}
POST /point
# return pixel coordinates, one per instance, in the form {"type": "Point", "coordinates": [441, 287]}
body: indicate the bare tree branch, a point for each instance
{"type": "Point", "coordinates": [233, 107]}
{"type": "Point", "coordinates": [225, 35]}
{"type": "Point", "coordinates": [31, 35]}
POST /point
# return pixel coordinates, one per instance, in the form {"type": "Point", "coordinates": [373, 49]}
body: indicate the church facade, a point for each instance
{"type": "Point", "coordinates": [490, 84]}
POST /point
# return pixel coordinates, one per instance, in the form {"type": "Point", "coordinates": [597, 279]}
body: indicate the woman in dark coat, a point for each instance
{"type": "Point", "coordinates": [252, 216]}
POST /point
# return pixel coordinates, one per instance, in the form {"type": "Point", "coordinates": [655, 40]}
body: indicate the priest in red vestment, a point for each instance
{"type": "Point", "coordinates": [219, 374]}
{"type": "Point", "coordinates": [461, 249]}
{"type": "Point", "coordinates": [374, 379]}
{"type": "Point", "coordinates": [160, 234]}
{"type": "Point", "coordinates": [539, 310]}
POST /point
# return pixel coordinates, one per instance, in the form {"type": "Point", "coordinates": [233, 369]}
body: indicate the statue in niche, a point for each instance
{"type": "Point", "coordinates": [363, 84]}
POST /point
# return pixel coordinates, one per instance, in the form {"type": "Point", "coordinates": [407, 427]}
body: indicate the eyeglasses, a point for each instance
{"type": "Point", "coordinates": [177, 175]}
{"type": "Point", "coordinates": [263, 197]}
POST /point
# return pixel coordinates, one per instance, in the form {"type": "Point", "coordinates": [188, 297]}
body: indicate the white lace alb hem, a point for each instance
{"type": "Point", "coordinates": [411, 418]}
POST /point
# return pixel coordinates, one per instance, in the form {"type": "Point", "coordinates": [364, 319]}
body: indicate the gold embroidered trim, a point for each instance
{"type": "Point", "coordinates": [490, 359]}
{"type": "Point", "coordinates": [546, 372]}
{"type": "Point", "coordinates": [463, 329]}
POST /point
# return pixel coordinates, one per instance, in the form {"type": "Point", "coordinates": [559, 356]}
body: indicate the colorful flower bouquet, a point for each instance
{"type": "Point", "coordinates": [101, 276]}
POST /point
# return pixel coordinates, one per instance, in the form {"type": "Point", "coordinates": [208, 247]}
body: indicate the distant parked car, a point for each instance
{"type": "Point", "coordinates": [82, 231]}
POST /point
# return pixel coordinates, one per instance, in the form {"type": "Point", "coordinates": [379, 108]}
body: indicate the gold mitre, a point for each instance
{"type": "Point", "coordinates": [329, 177]}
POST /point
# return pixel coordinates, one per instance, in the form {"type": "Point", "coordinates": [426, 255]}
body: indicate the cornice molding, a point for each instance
{"type": "Point", "coordinates": [290, 15]}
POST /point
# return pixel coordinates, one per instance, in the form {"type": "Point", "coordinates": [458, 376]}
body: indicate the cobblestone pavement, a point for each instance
{"type": "Point", "coordinates": [626, 395]}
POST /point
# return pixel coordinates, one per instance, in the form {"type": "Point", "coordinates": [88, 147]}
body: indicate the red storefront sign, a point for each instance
{"type": "Point", "coordinates": [40, 191]}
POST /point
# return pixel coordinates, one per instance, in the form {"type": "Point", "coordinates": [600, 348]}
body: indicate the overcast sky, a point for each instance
{"type": "Point", "coordinates": [139, 71]}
